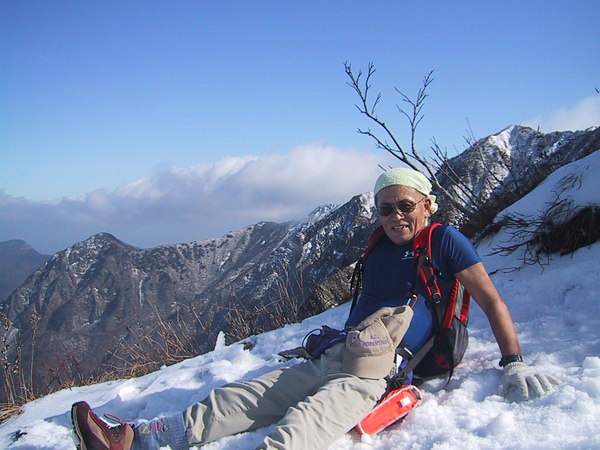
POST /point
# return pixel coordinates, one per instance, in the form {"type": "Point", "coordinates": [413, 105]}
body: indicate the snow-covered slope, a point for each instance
{"type": "Point", "coordinates": [556, 308]}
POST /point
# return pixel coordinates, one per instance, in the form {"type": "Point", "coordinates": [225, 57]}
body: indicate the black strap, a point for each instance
{"type": "Point", "coordinates": [356, 283]}
{"type": "Point", "coordinates": [424, 265]}
{"type": "Point", "coordinates": [412, 362]}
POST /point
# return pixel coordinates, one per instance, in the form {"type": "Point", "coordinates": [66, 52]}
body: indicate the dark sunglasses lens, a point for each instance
{"type": "Point", "coordinates": [405, 207]}
{"type": "Point", "coordinates": [385, 210]}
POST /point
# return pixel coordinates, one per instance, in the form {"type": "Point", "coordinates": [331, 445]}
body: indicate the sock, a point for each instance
{"type": "Point", "coordinates": [160, 432]}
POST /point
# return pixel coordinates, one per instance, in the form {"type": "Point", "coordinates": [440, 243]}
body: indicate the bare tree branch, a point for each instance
{"type": "Point", "coordinates": [413, 159]}
{"type": "Point", "coordinates": [362, 90]}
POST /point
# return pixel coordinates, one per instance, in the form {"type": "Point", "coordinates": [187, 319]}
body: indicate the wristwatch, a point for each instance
{"type": "Point", "coordinates": [515, 357]}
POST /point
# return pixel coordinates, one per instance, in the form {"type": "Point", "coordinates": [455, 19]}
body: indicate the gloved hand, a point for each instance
{"type": "Point", "coordinates": [525, 382]}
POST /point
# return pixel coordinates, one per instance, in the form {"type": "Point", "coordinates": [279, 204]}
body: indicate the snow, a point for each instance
{"type": "Point", "coordinates": [557, 314]}
{"type": "Point", "coordinates": [366, 201]}
{"type": "Point", "coordinates": [502, 139]}
{"type": "Point", "coordinates": [574, 182]}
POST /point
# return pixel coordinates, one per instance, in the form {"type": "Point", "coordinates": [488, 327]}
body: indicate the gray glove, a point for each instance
{"type": "Point", "coordinates": [524, 382]}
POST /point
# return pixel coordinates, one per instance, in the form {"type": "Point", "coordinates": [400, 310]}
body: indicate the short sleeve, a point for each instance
{"type": "Point", "coordinates": [455, 252]}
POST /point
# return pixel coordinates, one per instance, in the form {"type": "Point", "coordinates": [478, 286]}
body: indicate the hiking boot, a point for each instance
{"type": "Point", "coordinates": [94, 433]}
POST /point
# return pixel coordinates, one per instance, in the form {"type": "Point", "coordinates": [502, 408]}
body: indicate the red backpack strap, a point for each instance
{"type": "Point", "coordinates": [372, 242]}
{"type": "Point", "coordinates": [426, 271]}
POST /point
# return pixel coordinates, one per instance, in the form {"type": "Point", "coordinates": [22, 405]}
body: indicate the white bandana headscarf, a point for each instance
{"type": "Point", "coordinates": [403, 176]}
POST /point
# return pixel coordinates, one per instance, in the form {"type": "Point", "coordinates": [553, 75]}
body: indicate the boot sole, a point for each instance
{"type": "Point", "coordinates": [75, 423]}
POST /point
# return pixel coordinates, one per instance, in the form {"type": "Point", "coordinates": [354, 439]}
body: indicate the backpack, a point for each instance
{"type": "Point", "coordinates": [446, 348]}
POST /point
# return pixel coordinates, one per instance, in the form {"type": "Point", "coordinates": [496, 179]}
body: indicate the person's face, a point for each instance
{"type": "Point", "coordinates": [402, 227]}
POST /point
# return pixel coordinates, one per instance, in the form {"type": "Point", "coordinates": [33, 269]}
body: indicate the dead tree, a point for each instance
{"type": "Point", "coordinates": [434, 167]}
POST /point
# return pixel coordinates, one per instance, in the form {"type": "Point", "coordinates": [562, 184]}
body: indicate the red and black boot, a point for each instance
{"type": "Point", "coordinates": [94, 433]}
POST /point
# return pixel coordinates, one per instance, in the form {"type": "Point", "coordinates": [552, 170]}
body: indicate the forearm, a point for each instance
{"type": "Point", "coordinates": [481, 287]}
{"type": "Point", "coordinates": [502, 326]}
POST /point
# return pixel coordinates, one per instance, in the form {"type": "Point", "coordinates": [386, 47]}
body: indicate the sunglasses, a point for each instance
{"type": "Point", "coordinates": [404, 206]}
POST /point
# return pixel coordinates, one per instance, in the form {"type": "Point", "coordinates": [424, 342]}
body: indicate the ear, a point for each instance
{"type": "Point", "coordinates": [427, 206]}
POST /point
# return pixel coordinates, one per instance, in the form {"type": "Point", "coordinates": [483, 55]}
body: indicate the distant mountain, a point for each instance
{"type": "Point", "coordinates": [17, 261]}
{"type": "Point", "coordinates": [101, 302]}
{"type": "Point", "coordinates": [504, 167]}
{"type": "Point", "coordinates": [97, 297]}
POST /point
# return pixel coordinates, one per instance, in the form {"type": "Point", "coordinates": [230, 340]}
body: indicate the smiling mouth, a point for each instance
{"type": "Point", "coordinates": [400, 227]}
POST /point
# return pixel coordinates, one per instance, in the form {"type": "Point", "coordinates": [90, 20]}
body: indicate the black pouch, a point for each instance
{"type": "Point", "coordinates": [315, 343]}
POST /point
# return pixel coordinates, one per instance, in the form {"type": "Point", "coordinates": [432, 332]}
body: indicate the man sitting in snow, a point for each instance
{"type": "Point", "coordinates": [315, 402]}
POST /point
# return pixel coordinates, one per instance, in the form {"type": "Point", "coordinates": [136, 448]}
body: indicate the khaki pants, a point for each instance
{"type": "Point", "coordinates": [312, 404]}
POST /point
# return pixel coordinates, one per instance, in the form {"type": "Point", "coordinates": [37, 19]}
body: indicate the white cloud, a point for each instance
{"type": "Point", "coordinates": [583, 115]}
{"type": "Point", "coordinates": [184, 204]}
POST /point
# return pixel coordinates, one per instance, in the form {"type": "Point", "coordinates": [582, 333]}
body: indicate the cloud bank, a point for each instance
{"type": "Point", "coordinates": [583, 115]}
{"type": "Point", "coordinates": [184, 204]}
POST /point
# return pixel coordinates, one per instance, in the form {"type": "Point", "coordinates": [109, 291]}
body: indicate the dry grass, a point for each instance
{"type": "Point", "coordinates": [7, 410]}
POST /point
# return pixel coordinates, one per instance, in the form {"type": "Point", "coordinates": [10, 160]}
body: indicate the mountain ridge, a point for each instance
{"type": "Point", "coordinates": [88, 298]}
{"type": "Point", "coordinates": [94, 299]}
{"type": "Point", "coordinates": [503, 167]}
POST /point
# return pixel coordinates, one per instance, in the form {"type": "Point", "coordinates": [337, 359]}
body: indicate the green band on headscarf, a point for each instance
{"type": "Point", "coordinates": [403, 176]}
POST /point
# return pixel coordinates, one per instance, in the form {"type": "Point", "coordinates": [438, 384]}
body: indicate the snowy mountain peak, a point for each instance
{"type": "Point", "coordinates": [498, 170]}
{"type": "Point", "coordinates": [512, 139]}
{"type": "Point", "coordinates": [99, 242]}
{"type": "Point", "coordinates": [367, 203]}
{"type": "Point", "coordinates": [321, 212]}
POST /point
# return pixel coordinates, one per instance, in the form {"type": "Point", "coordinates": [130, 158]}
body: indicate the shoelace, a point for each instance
{"type": "Point", "coordinates": [115, 419]}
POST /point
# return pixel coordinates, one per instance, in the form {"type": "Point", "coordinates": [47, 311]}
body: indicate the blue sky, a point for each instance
{"type": "Point", "coordinates": [239, 111]}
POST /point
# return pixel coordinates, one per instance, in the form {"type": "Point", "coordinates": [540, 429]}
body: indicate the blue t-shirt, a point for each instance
{"type": "Point", "coordinates": [390, 271]}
